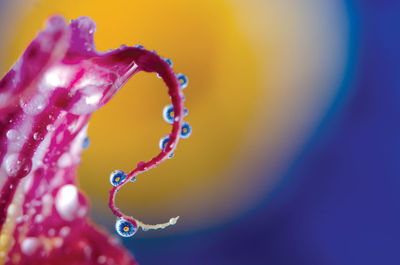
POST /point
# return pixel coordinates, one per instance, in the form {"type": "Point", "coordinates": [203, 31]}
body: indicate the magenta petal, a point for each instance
{"type": "Point", "coordinates": [46, 100]}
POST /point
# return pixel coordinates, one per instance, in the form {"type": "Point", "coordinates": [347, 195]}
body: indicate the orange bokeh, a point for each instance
{"type": "Point", "coordinates": [255, 91]}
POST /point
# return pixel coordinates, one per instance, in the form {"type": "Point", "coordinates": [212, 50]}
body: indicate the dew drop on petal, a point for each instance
{"type": "Point", "coordinates": [12, 135]}
{"type": "Point", "coordinates": [67, 202]}
{"type": "Point", "coordinates": [64, 231]}
{"type": "Point", "coordinates": [117, 177]}
{"type": "Point", "coordinates": [86, 143]}
{"type": "Point", "coordinates": [163, 142]}
{"type": "Point", "coordinates": [38, 218]}
{"type": "Point", "coordinates": [50, 127]}
{"type": "Point", "coordinates": [29, 245]}
{"type": "Point", "coordinates": [125, 228]}
{"type": "Point", "coordinates": [168, 113]}
{"type": "Point", "coordinates": [183, 80]}
{"type": "Point", "coordinates": [37, 136]}
{"type": "Point", "coordinates": [186, 131]}
{"type": "Point", "coordinates": [35, 105]}
{"type": "Point", "coordinates": [17, 167]}
{"type": "Point", "coordinates": [169, 62]}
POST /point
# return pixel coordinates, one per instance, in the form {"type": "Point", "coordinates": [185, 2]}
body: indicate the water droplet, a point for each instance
{"type": "Point", "coordinates": [17, 167]}
{"type": "Point", "coordinates": [50, 127]}
{"type": "Point", "coordinates": [35, 105]}
{"type": "Point", "coordinates": [117, 177]}
{"type": "Point", "coordinates": [163, 142]}
{"type": "Point", "coordinates": [183, 80]}
{"type": "Point", "coordinates": [145, 229]}
{"type": "Point", "coordinates": [172, 221]}
{"type": "Point", "coordinates": [29, 245]}
{"type": "Point", "coordinates": [67, 202]}
{"type": "Point", "coordinates": [169, 62]}
{"type": "Point", "coordinates": [186, 130]}
{"type": "Point", "coordinates": [38, 218]}
{"type": "Point", "coordinates": [168, 113]}
{"type": "Point", "coordinates": [13, 135]}
{"type": "Point", "coordinates": [86, 143]}
{"type": "Point", "coordinates": [133, 179]}
{"type": "Point", "coordinates": [64, 231]}
{"type": "Point", "coordinates": [12, 208]}
{"type": "Point", "coordinates": [139, 46]}
{"type": "Point", "coordinates": [37, 136]}
{"type": "Point", "coordinates": [125, 228]}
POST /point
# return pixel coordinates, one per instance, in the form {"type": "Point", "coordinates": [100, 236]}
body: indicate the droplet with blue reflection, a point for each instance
{"type": "Point", "coordinates": [117, 177]}
{"type": "Point", "coordinates": [125, 228]}
{"type": "Point", "coordinates": [163, 143]}
{"type": "Point", "coordinates": [186, 130]}
{"type": "Point", "coordinates": [168, 113]}
{"type": "Point", "coordinates": [183, 80]}
{"type": "Point", "coordinates": [86, 143]}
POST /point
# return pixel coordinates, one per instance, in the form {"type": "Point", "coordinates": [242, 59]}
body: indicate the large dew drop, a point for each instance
{"type": "Point", "coordinates": [67, 202]}
{"type": "Point", "coordinates": [124, 228]}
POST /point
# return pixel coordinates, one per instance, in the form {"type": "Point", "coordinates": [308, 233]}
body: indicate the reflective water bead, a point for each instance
{"type": "Point", "coordinates": [133, 179]}
{"type": "Point", "coordinates": [169, 62]}
{"type": "Point", "coordinates": [139, 46]}
{"type": "Point", "coordinates": [183, 80]}
{"type": "Point", "coordinates": [124, 228]}
{"type": "Point", "coordinates": [50, 127]}
{"type": "Point", "coordinates": [117, 177]}
{"type": "Point", "coordinates": [186, 130]}
{"type": "Point", "coordinates": [168, 113]}
{"type": "Point", "coordinates": [86, 143]}
{"type": "Point", "coordinates": [163, 142]}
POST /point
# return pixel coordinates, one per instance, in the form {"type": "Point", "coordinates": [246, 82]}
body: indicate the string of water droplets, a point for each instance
{"type": "Point", "coordinates": [127, 226]}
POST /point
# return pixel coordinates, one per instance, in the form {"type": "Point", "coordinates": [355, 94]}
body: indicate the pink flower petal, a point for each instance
{"type": "Point", "coordinates": [46, 100]}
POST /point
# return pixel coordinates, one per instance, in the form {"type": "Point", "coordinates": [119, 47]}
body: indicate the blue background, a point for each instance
{"type": "Point", "coordinates": [339, 202]}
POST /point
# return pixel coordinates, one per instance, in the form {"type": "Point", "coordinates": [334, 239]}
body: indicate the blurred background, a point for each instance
{"type": "Point", "coordinates": [294, 155]}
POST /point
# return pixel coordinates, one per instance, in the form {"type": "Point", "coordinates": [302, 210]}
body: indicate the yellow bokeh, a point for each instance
{"type": "Point", "coordinates": [247, 93]}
